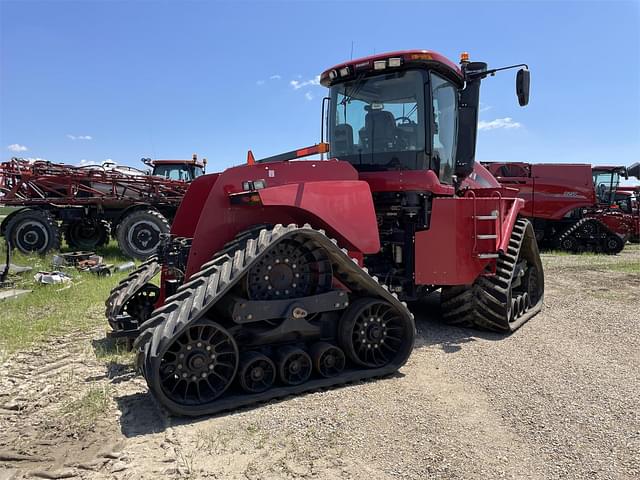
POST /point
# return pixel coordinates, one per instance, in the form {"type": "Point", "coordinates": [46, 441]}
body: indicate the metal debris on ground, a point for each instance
{"type": "Point", "coordinates": [49, 278]}
{"type": "Point", "coordinates": [84, 262]}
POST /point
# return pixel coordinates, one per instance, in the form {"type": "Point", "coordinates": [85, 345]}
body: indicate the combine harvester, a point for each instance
{"type": "Point", "coordinates": [575, 207]}
{"type": "Point", "coordinates": [286, 275]}
{"type": "Point", "coordinates": [91, 203]}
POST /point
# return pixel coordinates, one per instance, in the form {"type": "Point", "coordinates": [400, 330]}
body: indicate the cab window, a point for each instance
{"type": "Point", "coordinates": [444, 98]}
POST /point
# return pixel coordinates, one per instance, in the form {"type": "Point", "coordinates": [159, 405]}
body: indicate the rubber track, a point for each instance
{"type": "Point", "coordinates": [128, 287]}
{"type": "Point", "coordinates": [484, 304]}
{"type": "Point", "coordinates": [205, 288]}
{"type": "Point", "coordinates": [580, 241]}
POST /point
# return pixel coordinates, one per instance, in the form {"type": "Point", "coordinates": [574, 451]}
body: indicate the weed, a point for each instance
{"type": "Point", "coordinates": [83, 413]}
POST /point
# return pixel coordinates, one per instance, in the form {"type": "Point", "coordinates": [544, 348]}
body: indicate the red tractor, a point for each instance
{"type": "Point", "coordinates": [574, 207]}
{"type": "Point", "coordinates": [284, 275]}
{"type": "Point", "coordinates": [89, 203]}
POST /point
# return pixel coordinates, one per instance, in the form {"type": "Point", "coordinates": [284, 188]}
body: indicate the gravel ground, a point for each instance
{"type": "Point", "coordinates": [558, 399]}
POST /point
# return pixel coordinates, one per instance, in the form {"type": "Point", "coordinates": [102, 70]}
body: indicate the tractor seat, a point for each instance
{"type": "Point", "coordinates": [379, 131]}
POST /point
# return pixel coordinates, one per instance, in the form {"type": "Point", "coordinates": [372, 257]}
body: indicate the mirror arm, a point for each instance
{"type": "Point", "coordinates": [485, 73]}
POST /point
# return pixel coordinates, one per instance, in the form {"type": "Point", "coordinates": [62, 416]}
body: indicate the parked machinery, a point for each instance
{"type": "Point", "coordinates": [574, 207]}
{"type": "Point", "coordinates": [88, 204]}
{"type": "Point", "coordinates": [284, 276]}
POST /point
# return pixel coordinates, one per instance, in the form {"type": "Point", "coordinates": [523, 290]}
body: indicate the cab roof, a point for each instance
{"type": "Point", "coordinates": [409, 58]}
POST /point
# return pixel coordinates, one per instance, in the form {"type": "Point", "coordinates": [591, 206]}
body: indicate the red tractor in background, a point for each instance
{"type": "Point", "coordinates": [574, 207]}
{"type": "Point", "coordinates": [286, 275]}
{"type": "Point", "coordinates": [90, 203]}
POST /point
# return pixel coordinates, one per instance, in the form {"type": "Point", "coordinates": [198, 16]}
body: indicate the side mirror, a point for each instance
{"type": "Point", "coordinates": [523, 79]}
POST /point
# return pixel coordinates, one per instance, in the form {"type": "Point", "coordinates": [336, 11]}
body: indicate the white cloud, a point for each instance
{"type": "Point", "coordinates": [297, 84]}
{"type": "Point", "coordinates": [260, 83]}
{"type": "Point", "coordinates": [16, 147]}
{"type": "Point", "coordinates": [275, 77]}
{"type": "Point", "coordinates": [35, 159]}
{"type": "Point", "coordinates": [79, 137]}
{"type": "Point", "coordinates": [308, 96]}
{"type": "Point", "coordinates": [506, 122]}
{"type": "Point", "coordinates": [484, 107]}
{"type": "Point", "coordinates": [84, 163]}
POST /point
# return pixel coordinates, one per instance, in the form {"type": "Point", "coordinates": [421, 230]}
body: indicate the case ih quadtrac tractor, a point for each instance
{"type": "Point", "coordinates": [282, 276]}
{"type": "Point", "coordinates": [574, 207]}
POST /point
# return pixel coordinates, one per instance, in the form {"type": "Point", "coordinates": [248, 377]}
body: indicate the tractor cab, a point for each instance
{"type": "Point", "coordinates": [180, 170]}
{"type": "Point", "coordinates": [606, 181]}
{"type": "Point", "coordinates": [412, 110]}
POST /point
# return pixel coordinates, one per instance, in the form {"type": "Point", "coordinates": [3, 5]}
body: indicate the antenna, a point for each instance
{"type": "Point", "coordinates": [351, 58]}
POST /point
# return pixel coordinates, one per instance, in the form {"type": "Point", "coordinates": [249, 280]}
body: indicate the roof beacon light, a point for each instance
{"type": "Point", "coordinates": [344, 71]}
{"type": "Point", "coordinates": [464, 57]}
{"type": "Point", "coordinates": [395, 62]}
{"type": "Point", "coordinates": [379, 64]}
{"type": "Point", "coordinates": [333, 74]}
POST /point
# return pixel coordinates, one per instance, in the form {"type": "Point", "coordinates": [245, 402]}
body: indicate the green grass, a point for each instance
{"type": "Point", "coordinates": [83, 413]}
{"type": "Point", "coordinates": [54, 309]}
{"type": "Point", "coordinates": [6, 210]}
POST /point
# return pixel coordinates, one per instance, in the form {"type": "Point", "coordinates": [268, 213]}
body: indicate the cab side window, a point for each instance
{"type": "Point", "coordinates": [444, 97]}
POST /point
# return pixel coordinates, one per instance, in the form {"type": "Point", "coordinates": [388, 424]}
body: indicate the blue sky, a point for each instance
{"type": "Point", "coordinates": [124, 80]}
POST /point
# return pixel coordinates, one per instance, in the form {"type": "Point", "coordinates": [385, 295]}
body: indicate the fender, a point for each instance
{"type": "Point", "coordinates": [326, 194]}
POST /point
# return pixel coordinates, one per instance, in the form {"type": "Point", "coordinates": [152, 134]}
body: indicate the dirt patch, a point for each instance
{"type": "Point", "coordinates": [556, 400]}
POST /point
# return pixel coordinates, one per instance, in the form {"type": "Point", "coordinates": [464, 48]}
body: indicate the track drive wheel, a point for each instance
{"type": "Point", "coordinates": [139, 233]}
{"type": "Point", "coordinates": [33, 231]}
{"type": "Point", "coordinates": [87, 234]}
{"type": "Point", "coordinates": [374, 334]}
{"type": "Point", "coordinates": [505, 301]}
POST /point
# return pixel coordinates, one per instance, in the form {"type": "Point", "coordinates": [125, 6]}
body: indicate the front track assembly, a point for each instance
{"type": "Point", "coordinates": [265, 319]}
{"type": "Point", "coordinates": [132, 300]}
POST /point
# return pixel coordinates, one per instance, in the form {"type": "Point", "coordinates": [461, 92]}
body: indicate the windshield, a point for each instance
{"type": "Point", "coordinates": [606, 184]}
{"type": "Point", "coordinates": [379, 122]}
{"type": "Point", "coordinates": [175, 172]}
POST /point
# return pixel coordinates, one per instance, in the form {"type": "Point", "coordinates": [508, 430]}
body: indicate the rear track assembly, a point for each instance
{"type": "Point", "coordinates": [262, 320]}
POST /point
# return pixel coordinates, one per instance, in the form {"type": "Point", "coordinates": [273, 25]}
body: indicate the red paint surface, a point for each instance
{"type": "Point", "coordinates": [446, 254]}
{"type": "Point", "coordinates": [550, 191]}
{"type": "Point", "coordinates": [331, 198]}
{"type": "Point", "coordinates": [407, 55]}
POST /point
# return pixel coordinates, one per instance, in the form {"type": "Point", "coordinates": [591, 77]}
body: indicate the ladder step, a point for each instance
{"type": "Point", "coordinates": [488, 255]}
{"type": "Point", "coordinates": [486, 217]}
{"type": "Point", "coordinates": [487, 237]}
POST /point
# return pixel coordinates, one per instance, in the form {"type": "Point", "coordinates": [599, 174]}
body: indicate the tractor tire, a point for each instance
{"type": "Point", "coordinates": [33, 231]}
{"type": "Point", "coordinates": [505, 301]}
{"type": "Point", "coordinates": [138, 234]}
{"type": "Point", "coordinates": [87, 234]}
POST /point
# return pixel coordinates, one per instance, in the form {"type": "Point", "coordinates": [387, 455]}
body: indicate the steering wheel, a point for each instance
{"type": "Point", "coordinates": [404, 120]}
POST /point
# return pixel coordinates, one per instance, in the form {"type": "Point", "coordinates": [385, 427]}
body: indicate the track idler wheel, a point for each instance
{"type": "Point", "coordinates": [257, 372]}
{"type": "Point", "coordinates": [142, 304]}
{"type": "Point", "coordinates": [294, 365]}
{"type": "Point", "coordinates": [613, 245]}
{"type": "Point", "coordinates": [199, 365]}
{"type": "Point", "coordinates": [373, 333]}
{"type": "Point", "coordinates": [328, 360]}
